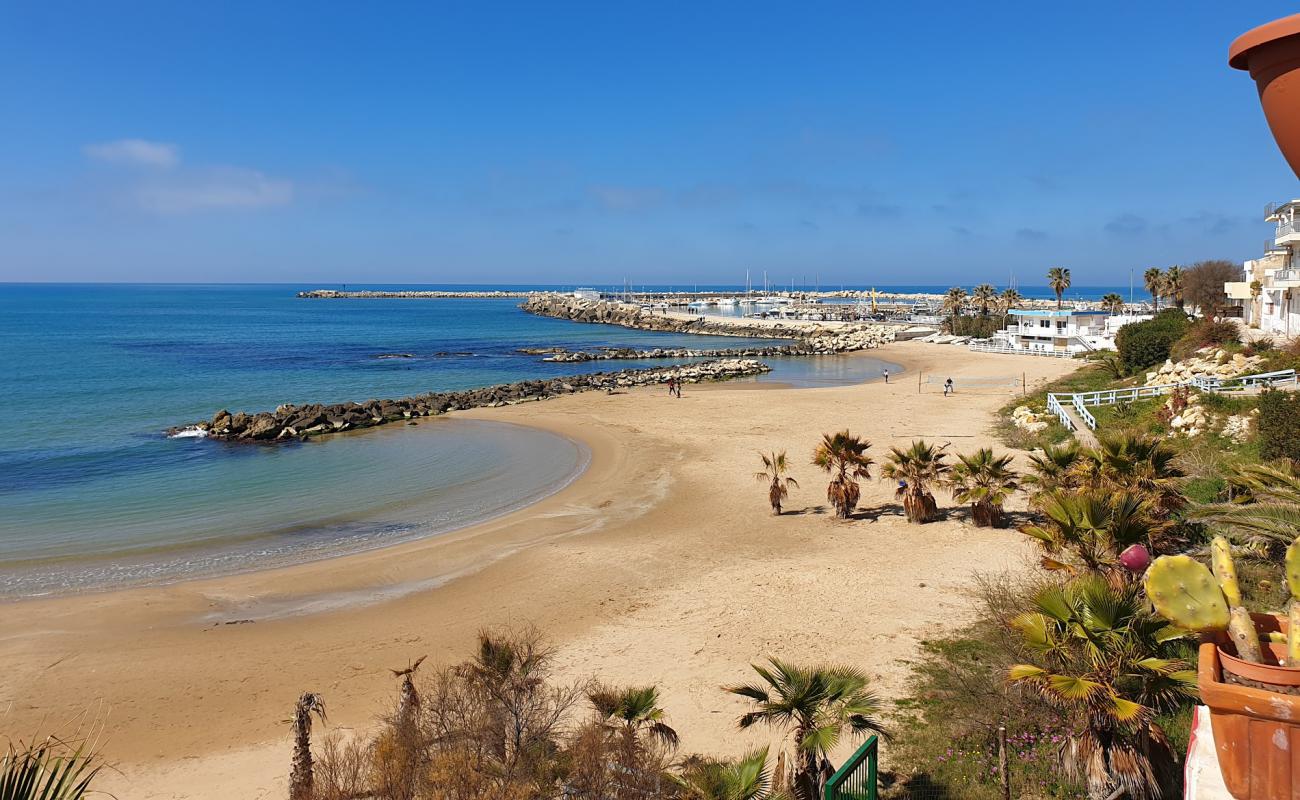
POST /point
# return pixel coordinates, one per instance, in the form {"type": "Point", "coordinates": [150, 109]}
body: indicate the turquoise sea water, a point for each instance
{"type": "Point", "coordinates": [93, 495]}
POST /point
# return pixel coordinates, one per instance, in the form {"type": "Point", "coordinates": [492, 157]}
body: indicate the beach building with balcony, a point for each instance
{"type": "Point", "coordinates": [1062, 332]}
{"type": "Point", "coordinates": [1276, 308]}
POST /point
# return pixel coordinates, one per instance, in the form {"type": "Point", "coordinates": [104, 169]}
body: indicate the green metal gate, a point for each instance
{"type": "Point", "coordinates": [856, 780]}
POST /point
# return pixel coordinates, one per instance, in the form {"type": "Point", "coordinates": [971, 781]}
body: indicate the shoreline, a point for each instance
{"type": "Point", "coordinates": [660, 564]}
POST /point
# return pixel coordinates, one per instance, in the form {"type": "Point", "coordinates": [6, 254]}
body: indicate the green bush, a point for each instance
{"type": "Point", "coordinates": [1279, 425]}
{"type": "Point", "coordinates": [1145, 344]}
{"type": "Point", "coordinates": [980, 327]}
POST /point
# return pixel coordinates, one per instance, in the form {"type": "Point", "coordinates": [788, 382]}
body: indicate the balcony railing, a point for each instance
{"type": "Point", "coordinates": [1286, 228]}
{"type": "Point", "coordinates": [1286, 275]}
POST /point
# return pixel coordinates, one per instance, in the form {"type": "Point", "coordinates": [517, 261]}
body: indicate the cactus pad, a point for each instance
{"type": "Point", "coordinates": [1293, 568]}
{"type": "Point", "coordinates": [1244, 636]}
{"type": "Point", "coordinates": [1184, 592]}
{"type": "Point", "coordinates": [1225, 571]}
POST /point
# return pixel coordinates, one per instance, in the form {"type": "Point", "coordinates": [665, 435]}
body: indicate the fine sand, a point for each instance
{"type": "Point", "coordinates": [661, 564]}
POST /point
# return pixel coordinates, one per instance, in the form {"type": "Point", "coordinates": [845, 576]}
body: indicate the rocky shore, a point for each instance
{"type": "Point", "coordinates": [294, 422]}
{"type": "Point", "coordinates": [812, 338]}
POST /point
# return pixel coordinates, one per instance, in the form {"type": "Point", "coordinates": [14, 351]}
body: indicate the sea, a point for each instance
{"type": "Point", "coordinates": [93, 495]}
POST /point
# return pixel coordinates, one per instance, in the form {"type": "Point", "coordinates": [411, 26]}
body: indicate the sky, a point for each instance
{"type": "Point", "coordinates": [657, 142]}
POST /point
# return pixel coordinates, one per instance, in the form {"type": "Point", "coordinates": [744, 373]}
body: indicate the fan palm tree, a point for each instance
{"type": "Point", "coordinates": [985, 481]}
{"type": "Point", "coordinates": [1094, 650]}
{"type": "Point", "coordinates": [301, 778]}
{"type": "Point", "coordinates": [774, 475]}
{"type": "Point", "coordinates": [844, 456]}
{"type": "Point", "coordinates": [1086, 530]}
{"type": "Point", "coordinates": [1154, 281]}
{"type": "Point", "coordinates": [1113, 303]}
{"type": "Point", "coordinates": [635, 709]}
{"type": "Point", "coordinates": [954, 301]}
{"type": "Point", "coordinates": [1058, 280]}
{"type": "Point", "coordinates": [915, 469]}
{"type": "Point", "coordinates": [1139, 464]}
{"type": "Point", "coordinates": [816, 705]}
{"type": "Point", "coordinates": [746, 778]}
{"type": "Point", "coordinates": [49, 770]}
{"type": "Point", "coordinates": [1173, 285]}
{"type": "Point", "coordinates": [1054, 468]}
{"type": "Point", "coordinates": [984, 296]}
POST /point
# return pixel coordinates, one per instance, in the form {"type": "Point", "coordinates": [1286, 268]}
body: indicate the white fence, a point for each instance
{"type": "Point", "coordinates": [1107, 397]}
{"type": "Point", "coordinates": [987, 346]}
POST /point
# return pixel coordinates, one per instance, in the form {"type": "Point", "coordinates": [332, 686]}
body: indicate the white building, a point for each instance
{"type": "Point", "coordinates": [1275, 309]}
{"type": "Point", "coordinates": [1063, 333]}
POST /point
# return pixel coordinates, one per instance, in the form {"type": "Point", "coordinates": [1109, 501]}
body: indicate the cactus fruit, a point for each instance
{"type": "Point", "coordinates": [1225, 571]}
{"type": "Point", "coordinates": [1186, 594]}
{"type": "Point", "coordinates": [1135, 559]}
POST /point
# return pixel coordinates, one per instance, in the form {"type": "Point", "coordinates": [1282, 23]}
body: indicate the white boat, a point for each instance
{"type": "Point", "coordinates": [727, 301]}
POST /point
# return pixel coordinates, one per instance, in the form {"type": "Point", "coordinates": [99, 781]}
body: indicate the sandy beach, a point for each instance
{"type": "Point", "coordinates": [661, 564]}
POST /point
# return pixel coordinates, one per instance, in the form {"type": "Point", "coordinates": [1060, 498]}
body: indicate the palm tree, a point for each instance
{"type": "Point", "coordinates": [816, 705]}
{"type": "Point", "coordinates": [914, 469]}
{"type": "Point", "coordinates": [844, 456]}
{"type": "Point", "coordinates": [1173, 285]}
{"type": "Point", "coordinates": [985, 481]}
{"type": "Point", "coordinates": [1266, 507]}
{"type": "Point", "coordinates": [1154, 281]}
{"type": "Point", "coordinates": [1009, 299]}
{"type": "Point", "coordinates": [746, 778]}
{"type": "Point", "coordinates": [1142, 465]}
{"type": "Point", "coordinates": [1054, 468]}
{"type": "Point", "coordinates": [774, 474]}
{"type": "Point", "coordinates": [954, 301]}
{"type": "Point", "coordinates": [1058, 280]}
{"type": "Point", "coordinates": [1256, 289]}
{"type": "Point", "coordinates": [984, 296]}
{"type": "Point", "coordinates": [635, 709]}
{"type": "Point", "coordinates": [408, 699]}
{"type": "Point", "coordinates": [1086, 530]}
{"type": "Point", "coordinates": [49, 770]}
{"type": "Point", "coordinates": [301, 779]}
{"type": "Point", "coordinates": [1113, 303]}
{"type": "Point", "coordinates": [1095, 651]}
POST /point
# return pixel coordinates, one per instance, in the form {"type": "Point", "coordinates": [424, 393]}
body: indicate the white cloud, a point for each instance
{"type": "Point", "coordinates": [214, 188]}
{"type": "Point", "coordinates": [135, 152]}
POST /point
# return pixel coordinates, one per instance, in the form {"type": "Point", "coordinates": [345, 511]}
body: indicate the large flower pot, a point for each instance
{"type": "Point", "coordinates": [1271, 53]}
{"type": "Point", "coordinates": [1256, 731]}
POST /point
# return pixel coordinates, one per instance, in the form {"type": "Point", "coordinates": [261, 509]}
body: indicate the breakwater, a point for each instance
{"type": "Point", "coordinates": [560, 355]}
{"type": "Point", "coordinates": [295, 422]}
{"type": "Point", "coordinates": [812, 337]}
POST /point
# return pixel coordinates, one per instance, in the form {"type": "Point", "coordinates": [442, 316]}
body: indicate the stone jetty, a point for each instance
{"type": "Point", "coordinates": [810, 336]}
{"type": "Point", "coordinates": [561, 355]}
{"type": "Point", "coordinates": [296, 422]}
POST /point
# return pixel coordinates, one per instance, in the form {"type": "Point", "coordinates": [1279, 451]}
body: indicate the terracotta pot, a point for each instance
{"type": "Point", "coordinates": [1272, 55]}
{"type": "Point", "coordinates": [1256, 732]}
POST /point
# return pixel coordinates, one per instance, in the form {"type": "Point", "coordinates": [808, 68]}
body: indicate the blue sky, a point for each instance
{"type": "Point", "coordinates": [662, 142]}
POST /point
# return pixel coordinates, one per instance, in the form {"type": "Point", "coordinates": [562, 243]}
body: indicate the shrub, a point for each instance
{"type": "Point", "coordinates": [1145, 344]}
{"type": "Point", "coordinates": [980, 327]}
{"type": "Point", "coordinates": [1279, 425]}
{"type": "Point", "coordinates": [1205, 333]}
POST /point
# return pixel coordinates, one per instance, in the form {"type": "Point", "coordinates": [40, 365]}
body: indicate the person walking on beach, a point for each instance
{"type": "Point", "coordinates": [885, 372]}
{"type": "Point", "coordinates": [672, 386]}
{"type": "Point", "coordinates": [947, 387]}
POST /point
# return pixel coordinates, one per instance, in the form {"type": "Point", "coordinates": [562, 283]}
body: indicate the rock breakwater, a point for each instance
{"type": "Point", "coordinates": [337, 294]}
{"type": "Point", "coordinates": [812, 338]}
{"type": "Point", "coordinates": [295, 422]}
{"type": "Point", "coordinates": [561, 355]}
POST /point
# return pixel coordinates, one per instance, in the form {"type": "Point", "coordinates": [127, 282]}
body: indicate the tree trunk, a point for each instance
{"type": "Point", "coordinates": [301, 779]}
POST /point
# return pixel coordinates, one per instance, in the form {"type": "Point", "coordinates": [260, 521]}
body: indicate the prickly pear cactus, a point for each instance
{"type": "Point", "coordinates": [1293, 634]}
{"type": "Point", "coordinates": [1242, 630]}
{"type": "Point", "coordinates": [1186, 593]}
{"type": "Point", "coordinates": [1293, 568]}
{"type": "Point", "coordinates": [1225, 571]}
